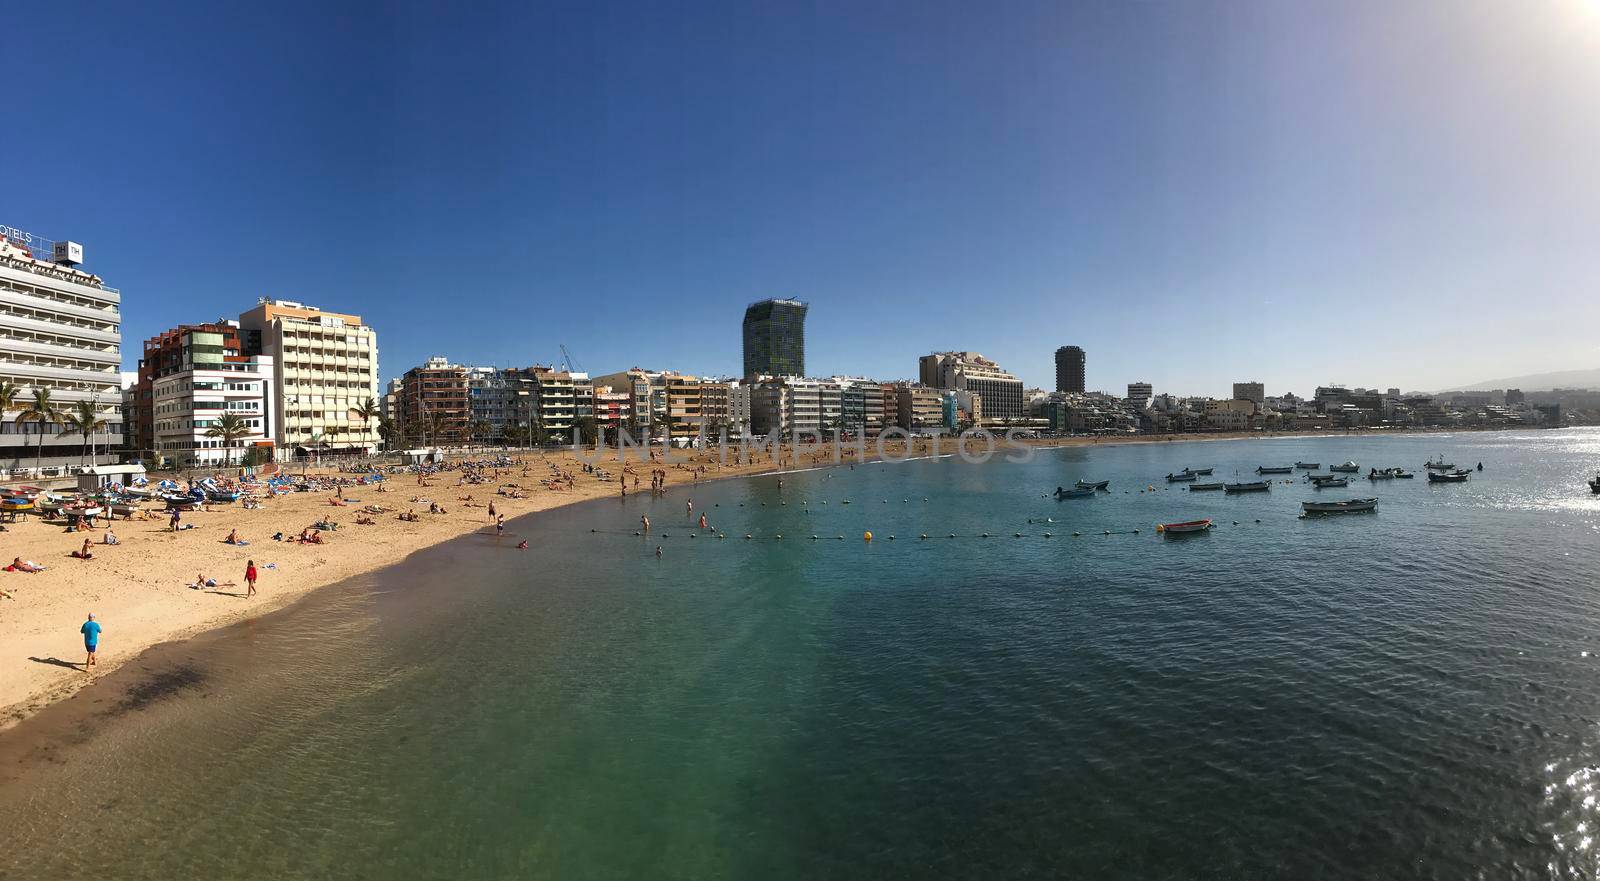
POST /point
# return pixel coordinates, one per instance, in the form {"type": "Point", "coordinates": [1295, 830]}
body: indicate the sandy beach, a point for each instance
{"type": "Point", "coordinates": [138, 589]}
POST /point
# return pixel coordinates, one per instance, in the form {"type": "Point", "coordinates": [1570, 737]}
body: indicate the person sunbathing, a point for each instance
{"type": "Point", "coordinates": [364, 520]}
{"type": "Point", "coordinates": [409, 517]}
{"type": "Point", "coordinates": [84, 553]}
{"type": "Point", "coordinates": [22, 565]}
{"type": "Point", "coordinates": [233, 538]}
{"type": "Point", "coordinates": [336, 502]}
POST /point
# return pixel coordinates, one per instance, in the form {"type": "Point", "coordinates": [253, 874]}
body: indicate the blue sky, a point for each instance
{"type": "Point", "coordinates": [1372, 193]}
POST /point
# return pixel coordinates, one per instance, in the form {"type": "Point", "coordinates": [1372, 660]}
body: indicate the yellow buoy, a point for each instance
{"type": "Point", "coordinates": [866, 536]}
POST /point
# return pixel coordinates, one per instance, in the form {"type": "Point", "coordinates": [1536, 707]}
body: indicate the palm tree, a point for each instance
{"type": "Point", "coordinates": [389, 431]}
{"type": "Point", "coordinates": [8, 397]}
{"type": "Point", "coordinates": [367, 411]}
{"type": "Point", "coordinates": [480, 430]}
{"type": "Point", "coordinates": [84, 419]}
{"type": "Point", "coordinates": [43, 411]}
{"type": "Point", "coordinates": [437, 423]}
{"type": "Point", "coordinates": [230, 427]}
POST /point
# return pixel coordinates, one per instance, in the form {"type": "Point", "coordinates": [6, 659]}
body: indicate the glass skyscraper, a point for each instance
{"type": "Point", "coordinates": [775, 338]}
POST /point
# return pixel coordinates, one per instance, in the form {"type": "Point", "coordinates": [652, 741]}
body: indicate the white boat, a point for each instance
{"type": "Point", "coordinates": [1349, 506]}
{"type": "Point", "coordinates": [1439, 464]}
{"type": "Point", "coordinates": [1179, 478]}
{"type": "Point", "coordinates": [1064, 493]}
{"type": "Point", "coordinates": [1097, 484]}
{"type": "Point", "coordinates": [1349, 467]}
{"type": "Point", "coordinates": [1331, 482]}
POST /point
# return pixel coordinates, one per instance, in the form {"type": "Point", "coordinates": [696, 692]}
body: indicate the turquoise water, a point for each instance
{"type": "Point", "coordinates": [1411, 693]}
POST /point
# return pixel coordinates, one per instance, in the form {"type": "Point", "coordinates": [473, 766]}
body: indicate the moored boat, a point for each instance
{"type": "Point", "coordinates": [1179, 478]}
{"type": "Point", "coordinates": [1439, 464]}
{"type": "Point", "coordinates": [1185, 528]}
{"type": "Point", "coordinates": [1452, 477]}
{"type": "Point", "coordinates": [1312, 466]}
{"type": "Point", "coordinates": [1256, 487]}
{"type": "Point", "coordinates": [1348, 506]}
{"type": "Point", "coordinates": [1349, 467]}
{"type": "Point", "coordinates": [1203, 487]}
{"type": "Point", "coordinates": [1095, 484]}
{"type": "Point", "coordinates": [1197, 470]}
{"type": "Point", "coordinates": [1274, 469]}
{"type": "Point", "coordinates": [1331, 482]}
{"type": "Point", "coordinates": [1080, 493]}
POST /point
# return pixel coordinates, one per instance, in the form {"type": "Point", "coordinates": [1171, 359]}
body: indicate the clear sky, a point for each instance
{"type": "Point", "coordinates": [1374, 193]}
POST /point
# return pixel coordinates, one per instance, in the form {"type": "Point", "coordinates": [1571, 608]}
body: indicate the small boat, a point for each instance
{"type": "Point", "coordinates": [1439, 464]}
{"type": "Point", "coordinates": [1452, 477]}
{"type": "Point", "coordinates": [16, 504]}
{"type": "Point", "coordinates": [1389, 474]}
{"type": "Point", "coordinates": [31, 493]}
{"type": "Point", "coordinates": [1312, 466]}
{"type": "Point", "coordinates": [1098, 484]}
{"type": "Point", "coordinates": [1064, 493]}
{"type": "Point", "coordinates": [1185, 528]}
{"type": "Point", "coordinates": [1197, 470]}
{"type": "Point", "coordinates": [1259, 486]}
{"type": "Point", "coordinates": [1179, 478]}
{"type": "Point", "coordinates": [1275, 469]}
{"type": "Point", "coordinates": [1401, 473]}
{"type": "Point", "coordinates": [223, 496]}
{"type": "Point", "coordinates": [1331, 482]}
{"type": "Point", "coordinates": [1349, 506]}
{"type": "Point", "coordinates": [1204, 487]}
{"type": "Point", "coordinates": [1349, 467]}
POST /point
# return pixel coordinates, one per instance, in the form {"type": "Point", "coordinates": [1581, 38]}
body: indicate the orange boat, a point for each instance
{"type": "Point", "coordinates": [1183, 528]}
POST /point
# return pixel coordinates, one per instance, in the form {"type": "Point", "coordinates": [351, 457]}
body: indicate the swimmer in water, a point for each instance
{"type": "Point", "coordinates": [658, 552]}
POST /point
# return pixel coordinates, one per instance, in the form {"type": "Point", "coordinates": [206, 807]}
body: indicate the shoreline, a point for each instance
{"type": "Point", "coordinates": [143, 603]}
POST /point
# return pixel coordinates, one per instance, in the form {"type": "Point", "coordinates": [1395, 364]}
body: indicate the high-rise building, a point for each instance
{"type": "Point", "coordinates": [919, 409]}
{"type": "Point", "coordinates": [188, 379]}
{"type": "Point", "coordinates": [61, 330]}
{"type": "Point", "coordinates": [435, 407]}
{"type": "Point", "coordinates": [1140, 393]}
{"type": "Point", "coordinates": [775, 338]}
{"type": "Point", "coordinates": [1069, 369]}
{"type": "Point", "coordinates": [1249, 391]}
{"type": "Point", "coordinates": [970, 371]}
{"type": "Point", "coordinates": [326, 365]}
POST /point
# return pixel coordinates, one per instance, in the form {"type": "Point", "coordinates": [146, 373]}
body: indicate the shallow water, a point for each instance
{"type": "Point", "coordinates": [1411, 693]}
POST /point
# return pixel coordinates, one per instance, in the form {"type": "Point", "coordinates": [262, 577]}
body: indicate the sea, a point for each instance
{"type": "Point", "coordinates": [997, 685]}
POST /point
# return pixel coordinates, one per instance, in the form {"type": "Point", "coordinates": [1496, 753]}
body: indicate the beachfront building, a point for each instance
{"type": "Point", "coordinates": [188, 378]}
{"type": "Point", "coordinates": [919, 409]}
{"type": "Point", "coordinates": [647, 393]}
{"type": "Point", "coordinates": [434, 404]}
{"type": "Point", "coordinates": [191, 399]}
{"type": "Point", "coordinates": [1250, 391]}
{"type": "Point", "coordinates": [1140, 393]}
{"type": "Point", "coordinates": [861, 404]}
{"type": "Point", "coordinates": [61, 330]}
{"type": "Point", "coordinates": [1069, 369]}
{"type": "Point", "coordinates": [561, 398]}
{"type": "Point", "coordinates": [612, 409]}
{"type": "Point", "coordinates": [775, 338]}
{"type": "Point", "coordinates": [326, 364]}
{"type": "Point", "coordinates": [725, 405]}
{"type": "Point", "coordinates": [970, 371]}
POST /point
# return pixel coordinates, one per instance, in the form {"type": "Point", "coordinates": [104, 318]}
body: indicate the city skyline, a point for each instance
{"type": "Point", "coordinates": [594, 170]}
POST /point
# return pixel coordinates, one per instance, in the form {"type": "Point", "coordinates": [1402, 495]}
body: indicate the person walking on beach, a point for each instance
{"type": "Point", "coordinates": [175, 516]}
{"type": "Point", "coordinates": [491, 509]}
{"type": "Point", "coordinates": [500, 525]}
{"type": "Point", "coordinates": [91, 640]}
{"type": "Point", "coordinates": [250, 578]}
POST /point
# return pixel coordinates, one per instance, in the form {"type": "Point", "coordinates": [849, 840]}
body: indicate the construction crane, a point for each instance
{"type": "Point", "coordinates": [566, 358]}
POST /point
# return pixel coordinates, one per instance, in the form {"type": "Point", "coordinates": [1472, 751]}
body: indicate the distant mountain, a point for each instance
{"type": "Point", "coordinates": [1538, 382]}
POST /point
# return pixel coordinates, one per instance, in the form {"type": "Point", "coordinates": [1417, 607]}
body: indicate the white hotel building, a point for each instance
{"type": "Point", "coordinates": [60, 329]}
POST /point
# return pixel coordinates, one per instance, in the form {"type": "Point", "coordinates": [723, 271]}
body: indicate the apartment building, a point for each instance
{"type": "Point", "coordinates": [435, 403]}
{"type": "Point", "coordinates": [61, 330]}
{"type": "Point", "coordinates": [188, 378]}
{"type": "Point", "coordinates": [326, 365]}
{"type": "Point", "coordinates": [919, 409]}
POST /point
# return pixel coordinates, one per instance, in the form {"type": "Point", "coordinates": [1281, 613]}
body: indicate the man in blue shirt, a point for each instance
{"type": "Point", "coordinates": [91, 639]}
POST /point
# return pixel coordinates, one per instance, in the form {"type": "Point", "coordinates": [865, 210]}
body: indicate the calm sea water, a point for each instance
{"type": "Point", "coordinates": [1413, 693]}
